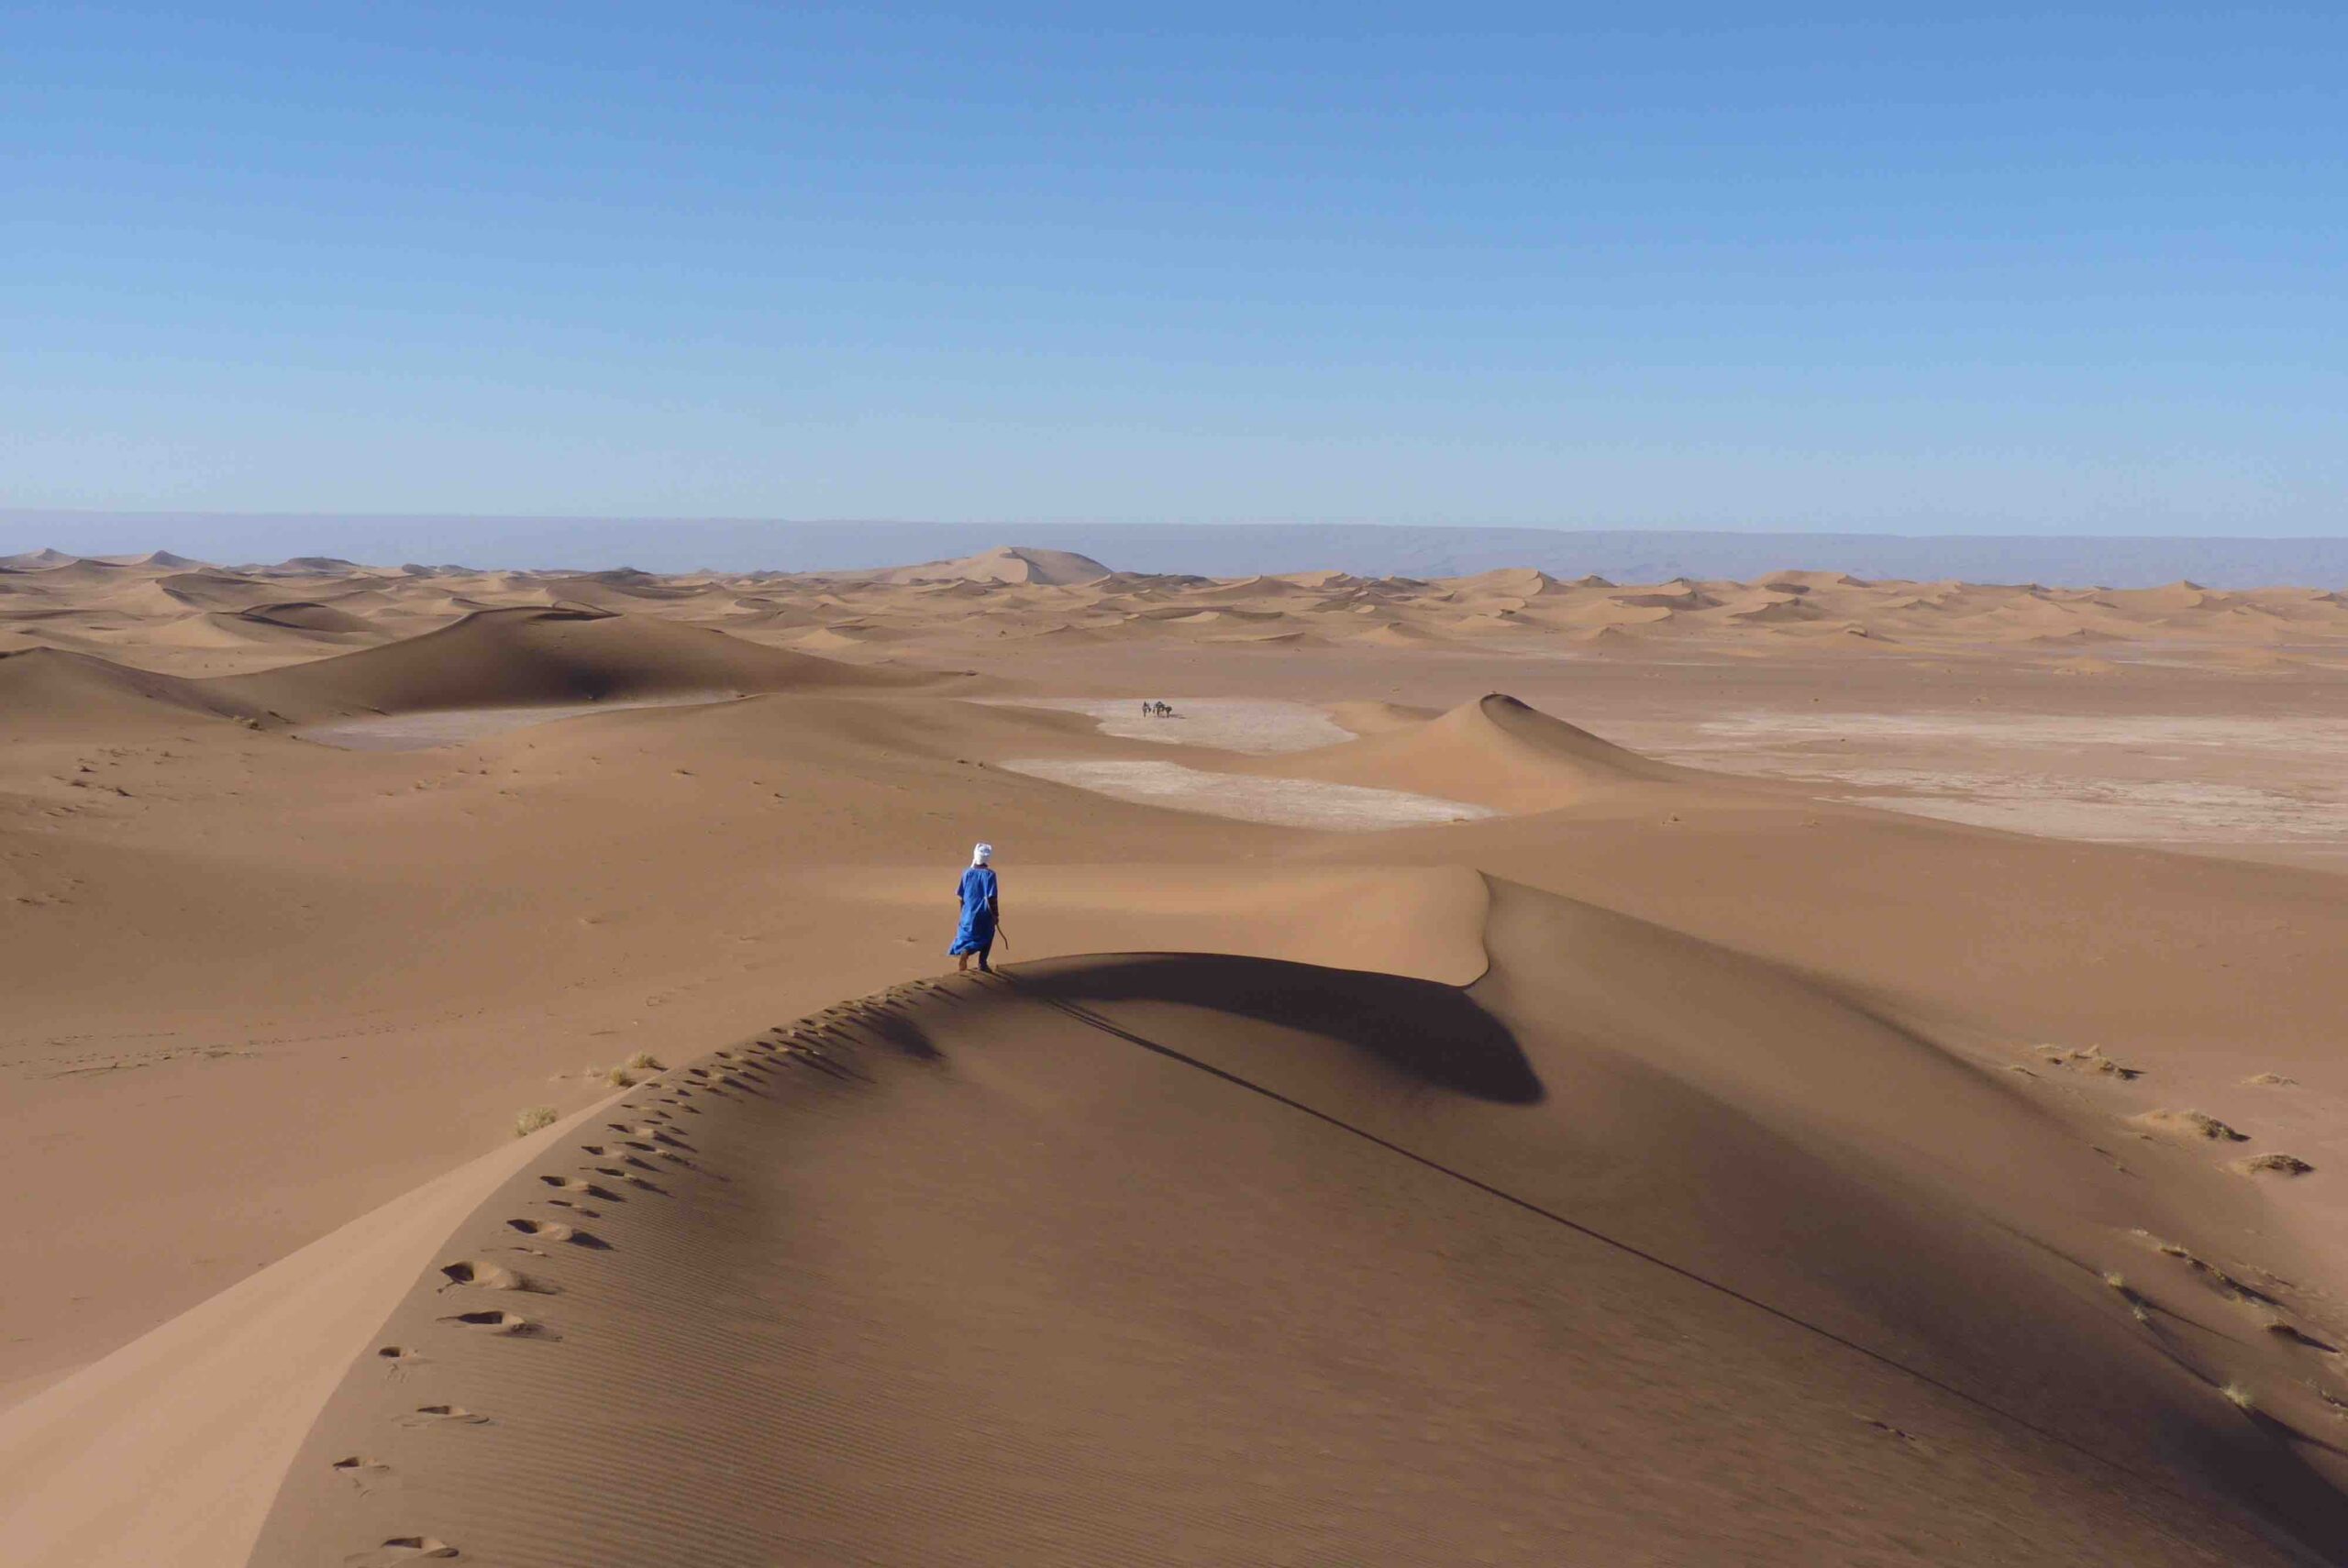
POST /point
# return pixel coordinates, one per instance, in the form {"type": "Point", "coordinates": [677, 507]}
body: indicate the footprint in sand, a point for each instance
{"type": "Point", "coordinates": [507, 1324]}
{"type": "Point", "coordinates": [401, 1549]}
{"type": "Point", "coordinates": [441, 1416]}
{"type": "Point", "coordinates": [586, 1188]}
{"type": "Point", "coordinates": [637, 1182]}
{"type": "Point", "coordinates": [1888, 1429]}
{"type": "Point", "coordinates": [493, 1276]}
{"type": "Point", "coordinates": [2292, 1333]}
{"type": "Point", "coordinates": [554, 1230]}
{"type": "Point", "coordinates": [360, 1472]}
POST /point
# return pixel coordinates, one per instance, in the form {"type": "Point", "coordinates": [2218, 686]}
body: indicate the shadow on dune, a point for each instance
{"type": "Point", "coordinates": [1432, 1032]}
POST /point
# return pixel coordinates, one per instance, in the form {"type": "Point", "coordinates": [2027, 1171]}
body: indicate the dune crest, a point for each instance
{"type": "Point", "coordinates": [552, 655]}
{"type": "Point", "coordinates": [53, 685]}
{"type": "Point", "coordinates": [1631, 1192]}
{"type": "Point", "coordinates": [1005, 564]}
{"type": "Point", "coordinates": [1495, 751]}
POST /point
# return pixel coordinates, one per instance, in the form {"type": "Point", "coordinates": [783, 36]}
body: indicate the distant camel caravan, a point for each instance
{"type": "Point", "coordinates": [1159, 711]}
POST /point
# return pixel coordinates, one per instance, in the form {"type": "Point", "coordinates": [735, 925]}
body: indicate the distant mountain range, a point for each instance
{"type": "Point", "coordinates": [1217, 550]}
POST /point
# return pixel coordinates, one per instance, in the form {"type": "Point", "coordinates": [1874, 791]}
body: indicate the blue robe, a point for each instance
{"type": "Point", "coordinates": [976, 934]}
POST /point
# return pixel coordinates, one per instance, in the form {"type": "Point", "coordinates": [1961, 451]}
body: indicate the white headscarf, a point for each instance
{"type": "Point", "coordinates": [981, 853]}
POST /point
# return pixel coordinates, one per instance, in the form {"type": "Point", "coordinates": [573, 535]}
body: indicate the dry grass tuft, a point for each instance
{"type": "Point", "coordinates": [532, 1118]}
{"type": "Point", "coordinates": [2276, 1164]}
{"type": "Point", "coordinates": [2270, 1080]}
{"type": "Point", "coordinates": [2240, 1398]}
{"type": "Point", "coordinates": [645, 1061]}
{"type": "Point", "coordinates": [620, 1078]}
{"type": "Point", "coordinates": [2117, 1280]}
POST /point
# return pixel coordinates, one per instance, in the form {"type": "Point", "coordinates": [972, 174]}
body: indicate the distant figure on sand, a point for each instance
{"type": "Point", "coordinates": [982, 898]}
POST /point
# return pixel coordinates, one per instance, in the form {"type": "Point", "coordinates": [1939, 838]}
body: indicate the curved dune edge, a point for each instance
{"type": "Point", "coordinates": [171, 1449]}
{"type": "Point", "coordinates": [1496, 752]}
{"type": "Point", "coordinates": [1420, 921]}
{"type": "Point", "coordinates": [525, 655]}
{"type": "Point", "coordinates": [1636, 1244]}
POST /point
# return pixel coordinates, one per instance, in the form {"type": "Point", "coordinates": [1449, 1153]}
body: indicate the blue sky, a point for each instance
{"type": "Point", "coordinates": [1996, 271]}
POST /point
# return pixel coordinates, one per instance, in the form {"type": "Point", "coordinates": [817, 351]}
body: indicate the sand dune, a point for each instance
{"type": "Point", "coordinates": [214, 589]}
{"type": "Point", "coordinates": [505, 658]}
{"type": "Point", "coordinates": [48, 686]}
{"type": "Point", "coordinates": [1195, 1356]}
{"type": "Point", "coordinates": [1005, 565]}
{"type": "Point", "coordinates": [1495, 751]}
{"type": "Point", "coordinates": [307, 615]}
{"type": "Point", "coordinates": [34, 560]}
{"type": "Point", "coordinates": [1365, 718]}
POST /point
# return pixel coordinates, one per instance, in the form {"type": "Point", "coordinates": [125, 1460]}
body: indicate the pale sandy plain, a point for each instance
{"type": "Point", "coordinates": [1417, 1124]}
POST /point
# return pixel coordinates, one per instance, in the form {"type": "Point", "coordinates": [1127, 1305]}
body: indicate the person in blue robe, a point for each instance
{"type": "Point", "coordinates": [982, 897]}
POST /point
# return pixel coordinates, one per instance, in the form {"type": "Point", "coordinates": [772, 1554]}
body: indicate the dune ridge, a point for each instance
{"type": "Point", "coordinates": [512, 658]}
{"type": "Point", "coordinates": [1495, 751]}
{"type": "Point", "coordinates": [1060, 1367]}
{"type": "Point", "coordinates": [56, 686]}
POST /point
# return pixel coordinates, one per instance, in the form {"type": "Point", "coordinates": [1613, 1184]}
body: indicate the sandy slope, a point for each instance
{"type": "Point", "coordinates": [1495, 751]}
{"type": "Point", "coordinates": [1208, 1259]}
{"type": "Point", "coordinates": [53, 688]}
{"type": "Point", "coordinates": [203, 1416]}
{"type": "Point", "coordinates": [504, 658]}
